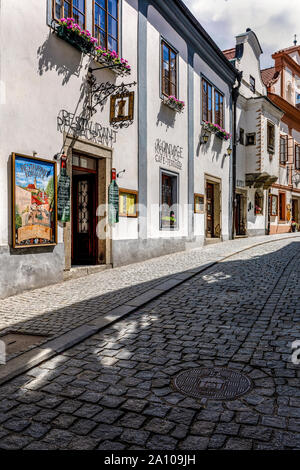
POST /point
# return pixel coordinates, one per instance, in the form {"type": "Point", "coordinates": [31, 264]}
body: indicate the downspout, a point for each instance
{"type": "Point", "coordinates": [235, 95]}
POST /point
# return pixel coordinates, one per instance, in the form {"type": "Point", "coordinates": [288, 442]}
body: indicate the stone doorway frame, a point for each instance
{"type": "Point", "coordinates": [104, 156]}
{"type": "Point", "coordinates": [217, 183]}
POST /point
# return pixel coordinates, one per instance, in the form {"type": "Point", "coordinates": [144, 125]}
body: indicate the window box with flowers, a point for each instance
{"type": "Point", "coordinates": [216, 129]}
{"type": "Point", "coordinates": [111, 59]}
{"type": "Point", "coordinates": [174, 103]}
{"type": "Point", "coordinates": [79, 38]}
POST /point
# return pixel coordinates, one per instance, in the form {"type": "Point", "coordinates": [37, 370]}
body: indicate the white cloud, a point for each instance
{"type": "Point", "coordinates": [274, 21]}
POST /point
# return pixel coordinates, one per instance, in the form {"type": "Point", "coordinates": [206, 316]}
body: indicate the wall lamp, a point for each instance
{"type": "Point", "coordinates": [229, 151]}
{"type": "Point", "coordinates": [204, 139]}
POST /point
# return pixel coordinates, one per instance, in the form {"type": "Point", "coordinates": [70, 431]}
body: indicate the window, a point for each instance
{"type": "Point", "coordinates": [283, 149]}
{"type": "Point", "coordinates": [297, 100]}
{"type": "Point", "coordinates": [199, 203]}
{"type": "Point", "coordinates": [106, 28]}
{"type": "Point", "coordinates": [128, 203]}
{"type": "Point", "coordinates": [297, 157]}
{"type": "Point", "coordinates": [252, 84]}
{"type": "Point", "coordinates": [169, 70]}
{"type": "Point", "coordinates": [282, 200]}
{"type": "Point", "coordinates": [242, 136]}
{"type": "Point", "coordinates": [70, 9]}
{"type": "Point", "coordinates": [258, 203]}
{"type": "Point", "coordinates": [271, 137]}
{"type": "Point", "coordinates": [206, 101]}
{"type": "Point", "coordinates": [251, 139]}
{"type": "Point", "coordinates": [219, 109]}
{"type": "Point", "coordinates": [169, 201]}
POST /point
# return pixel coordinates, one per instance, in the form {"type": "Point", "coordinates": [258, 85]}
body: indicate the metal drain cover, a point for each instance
{"type": "Point", "coordinates": [215, 383]}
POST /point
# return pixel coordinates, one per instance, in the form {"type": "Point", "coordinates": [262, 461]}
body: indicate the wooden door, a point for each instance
{"type": "Point", "coordinates": [295, 210]}
{"type": "Point", "coordinates": [209, 210]}
{"type": "Point", "coordinates": [84, 246]}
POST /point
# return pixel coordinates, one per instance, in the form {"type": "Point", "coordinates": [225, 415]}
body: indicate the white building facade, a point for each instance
{"type": "Point", "coordinates": [174, 174]}
{"type": "Point", "coordinates": [258, 142]}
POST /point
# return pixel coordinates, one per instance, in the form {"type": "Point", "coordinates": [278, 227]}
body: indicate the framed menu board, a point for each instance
{"type": "Point", "coordinates": [274, 205]}
{"type": "Point", "coordinates": [34, 197]}
{"type": "Point", "coordinates": [128, 203]}
{"type": "Point", "coordinates": [198, 203]}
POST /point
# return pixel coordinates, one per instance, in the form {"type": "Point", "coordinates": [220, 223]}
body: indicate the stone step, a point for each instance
{"type": "Point", "coordinates": [81, 271]}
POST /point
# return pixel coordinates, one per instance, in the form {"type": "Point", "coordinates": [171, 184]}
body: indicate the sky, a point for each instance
{"type": "Point", "coordinates": [23, 181]}
{"type": "Point", "coordinates": [275, 22]}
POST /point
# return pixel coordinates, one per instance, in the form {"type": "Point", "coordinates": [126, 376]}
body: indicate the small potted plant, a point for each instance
{"type": "Point", "coordinates": [294, 226]}
{"type": "Point", "coordinates": [174, 103]}
{"type": "Point", "coordinates": [258, 210]}
{"type": "Point", "coordinates": [71, 32]}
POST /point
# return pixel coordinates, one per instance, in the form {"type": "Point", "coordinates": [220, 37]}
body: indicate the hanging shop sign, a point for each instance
{"type": "Point", "coordinates": [81, 127]}
{"type": "Point", "coordinates": [113, 200]}
{"type": "Point", "coordinates": [122, 109]}
{"type": "Point", "coordinates": [34, 186]}
{"type": "Point", "coordinates": [168, 154]}
{"type": "Point", "coordinates": [63, 197]}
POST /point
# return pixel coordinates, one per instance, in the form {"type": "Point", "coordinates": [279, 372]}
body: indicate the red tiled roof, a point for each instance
{"type": "Point", "coordinates": [269, 75]}
{"type": "Point", "coordinates": [288, 49]}
{"type": "Point", "coordinates": [229, 53]}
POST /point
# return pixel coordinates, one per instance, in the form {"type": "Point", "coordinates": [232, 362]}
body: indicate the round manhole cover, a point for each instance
{"type": "Point", "coordinates": [215, 383]}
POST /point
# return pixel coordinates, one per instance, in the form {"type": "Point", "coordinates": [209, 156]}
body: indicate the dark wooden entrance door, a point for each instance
{"type": "Point", "coordinates": [210, 210]}
{"type": "Point", "coordinates": [295, 210]}
{"type": "Point", "coordinates": [84, 247]}
{"type": "Point", "coordinates": [239, 209]}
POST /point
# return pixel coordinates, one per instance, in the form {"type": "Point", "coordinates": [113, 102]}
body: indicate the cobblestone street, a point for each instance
{"type": "Point", "coordinates": [114, 390]}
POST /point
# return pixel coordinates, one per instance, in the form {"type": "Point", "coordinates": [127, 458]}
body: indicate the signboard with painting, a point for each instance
{"type": "Point", "coordinates": [34, 218]}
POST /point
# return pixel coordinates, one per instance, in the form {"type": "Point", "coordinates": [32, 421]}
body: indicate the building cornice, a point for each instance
{"type": "Point", "coordinates": [291, 113]}
{"type": "Point", "coordinates": [180, 17]}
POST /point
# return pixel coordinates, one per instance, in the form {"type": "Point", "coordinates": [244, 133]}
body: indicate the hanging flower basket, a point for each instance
{"type": "Point", "coordinates": [174, 103]}
{"type": "Point", "coordinates": [71, 32]}
{"type": "Point", "coordinates": [216, 129]}
{"type": "Point", "coordinates": [110, 58]}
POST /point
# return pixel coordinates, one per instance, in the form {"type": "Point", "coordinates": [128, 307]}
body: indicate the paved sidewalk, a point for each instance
{"type": "Point", "coordinates": [114, 390]}
{"type": "Point", "coordinates": [60, 308]}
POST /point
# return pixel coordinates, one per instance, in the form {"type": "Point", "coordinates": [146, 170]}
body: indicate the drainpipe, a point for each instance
{"type": "Point", "coordinates": [235, 95]}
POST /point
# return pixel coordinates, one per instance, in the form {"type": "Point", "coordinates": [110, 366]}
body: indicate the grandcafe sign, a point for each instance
{"type": "Point", "coordinates": [168, 154]}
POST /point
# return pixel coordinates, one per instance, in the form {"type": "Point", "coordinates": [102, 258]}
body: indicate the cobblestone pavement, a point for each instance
{"type": "Point", "coordinates": [113, 391]}
{"type": "Point", "coordinates": [56, 309]}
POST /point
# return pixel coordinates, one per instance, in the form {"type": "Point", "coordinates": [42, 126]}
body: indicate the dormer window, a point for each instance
{"type": "Point", "coordinates": [252, 83]}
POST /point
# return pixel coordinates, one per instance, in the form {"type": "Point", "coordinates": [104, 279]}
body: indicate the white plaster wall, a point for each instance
{"type": "Point", "coordinates": [211, 159]}
{"type": "Point", "coordinates": [250, 65]}
{"type": "Point", "coordinates": [41, 78]}
{"type": "Point", "coordinates": [171, 127]}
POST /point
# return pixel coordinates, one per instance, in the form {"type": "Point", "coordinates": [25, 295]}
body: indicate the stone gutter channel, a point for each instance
{"type": "Point", "coordinates": [56, 346]}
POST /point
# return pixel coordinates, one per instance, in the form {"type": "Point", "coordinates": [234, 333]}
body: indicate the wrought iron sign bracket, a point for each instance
{"type": "Point", "coordinates": [100, 92]}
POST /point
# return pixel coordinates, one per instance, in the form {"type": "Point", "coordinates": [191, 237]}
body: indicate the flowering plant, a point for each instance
{"type": "Point", "coordinates": [174, 103]}
{"type": "Point", "coordinates": [70, 24]}
{"type": "Point", "coordinates": [112, 58]}
{"type": "Point", "coordinates": [82, 39]}
{"type": "Point", "coordinates": [217, 129]}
